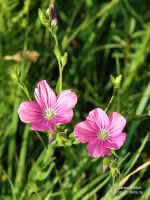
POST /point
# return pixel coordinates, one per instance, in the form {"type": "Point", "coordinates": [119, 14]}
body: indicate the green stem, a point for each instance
{"type": "Point", "coordinates": [113, 179]}
{"type": "Point", "coordinates": [12, 187]}
{"type": "Point", "coordinates": [55, 38]}
{"type": "Point", "coordinates": [117, 66]}
{"type": "Point", "coordinates": [110, 101]}
{"type": "Point", "coordinates": [60, 182]}
{"type": "Point", "coordinates": [60, 76]}
{"type": "Point", "coordinates": [21, 162]}
{"type": "Point", "coordinates": [12, 142]}
{"type": "Point", "coordinates": [12, 134]}
{"type": "Point", "coordinates": [40, 138]}
{"type": "Point", "coordinates": [24, 88]}
{"type": "Point", "coordinates": [59, 63]}
{"type": "Point", "coordinates": [114, 153]}
{"type": "Point", "coordinates": [118, 92]}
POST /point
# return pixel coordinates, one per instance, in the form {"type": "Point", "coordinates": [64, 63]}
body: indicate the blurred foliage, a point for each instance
{"type": "Point", "coordinates": [101, 38]}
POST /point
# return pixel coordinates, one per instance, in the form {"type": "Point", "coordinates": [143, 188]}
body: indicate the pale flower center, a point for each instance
{"type": "Point", "coordinates": [103, 135]}
{"type": "Point", "coordinates": [49, 114]}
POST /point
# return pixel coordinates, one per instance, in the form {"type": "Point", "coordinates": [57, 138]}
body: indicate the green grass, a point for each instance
{"type": "Point", "coordinates": [101, 38]}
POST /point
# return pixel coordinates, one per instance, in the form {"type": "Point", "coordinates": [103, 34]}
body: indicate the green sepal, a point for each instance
{"type": "Point", "coordinates": [44, 20]}
{"type": "Point", "coordinates": [107, 160]}
{"type": "Point", "coordinates": [114, 169]}
{"type": "Point", "coordinates": [114, 153]}
{"type": "Point", "coordinates": [64, 59]}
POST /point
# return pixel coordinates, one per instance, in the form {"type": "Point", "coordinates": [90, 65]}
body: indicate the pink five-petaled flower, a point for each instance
{"type": "Point", "coordinates": [48, 109]}
{"type": "Point", "coordinates": [102, 133]}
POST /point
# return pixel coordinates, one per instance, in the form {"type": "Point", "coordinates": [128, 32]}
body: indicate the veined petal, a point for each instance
{"type": "Point", "coordinates": [63, 116]}
{"type": "Point", "coordinates": [97, 148]}
{"type": "Point", "coordinates": [99, 117]}
{"type": "Point", "coordinates": [117, 124]}
{"type": "Point", "coordinates": [117, 141]}
{"type": "Point", "coordinates": [29, 111]}
{"type": "Point", "coordinates": [44, 95]}
{"type": "Point", "coordinates": [66, 100]}
{"type": "Point", "coordinates": [42, 125]}
{"type": "Point", "coordinates": [84, 132]}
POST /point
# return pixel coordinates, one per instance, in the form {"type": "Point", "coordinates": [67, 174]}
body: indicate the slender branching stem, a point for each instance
{"type": "Point", "coordinates": [111, 99]}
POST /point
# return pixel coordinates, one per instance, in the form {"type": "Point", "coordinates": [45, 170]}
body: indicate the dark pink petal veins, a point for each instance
{"type": "Point", "coordinates": [84, 132]}
{"type": "Point", "coordinates": [42, 125]}
{"type": "Point", "coordinates": [30, 111]}
{"type": "Point", "coordinates": [99, 117]}
{"type": "Point", "coordinates": [117, 123]}
{"type": "Point", "coordinates": [44, 95]}
{"type": "Point", "coordinates": [97, 148]}
{"type": "Point", "coordinates": [117, 141]}
{"type": "Point", "coordinates": [63, 116]}
{"type": "Point", "coordinates": [66, 101]}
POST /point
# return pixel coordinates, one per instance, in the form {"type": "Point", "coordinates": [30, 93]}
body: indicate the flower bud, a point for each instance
{"type": "Point", "coordinates": [105, 168]}
{"type": "Point", "coordinates": [43, 19]}
{"type": "Point", "coordinates": [50, 139]}
{"type": "Point", "coordinates": [53, 15]}
{"type": "Point", "coordinates": [107, 160]}
{"type": "Point", "coordinates": [64, 59]}
{"type": "Point", "coordinates": [47, 13]}
{"type": "Point", "coordinates": [116, 81]}
{"type": "Point", "coordinates": [106, 163]}
{"type": "Point", "coordinates": [15, 74]}
{"type": "Point", "coordinates": [114, 169]}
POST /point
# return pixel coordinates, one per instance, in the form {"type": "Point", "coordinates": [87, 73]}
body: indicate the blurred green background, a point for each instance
{"type": "Point", "coordinates": [101, 38]}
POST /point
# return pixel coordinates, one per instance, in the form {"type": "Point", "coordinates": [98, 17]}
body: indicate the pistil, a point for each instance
{"type": "Point", "coordinates": [103, 135]}
{"type": "Point", "coordinates": [49, 114]}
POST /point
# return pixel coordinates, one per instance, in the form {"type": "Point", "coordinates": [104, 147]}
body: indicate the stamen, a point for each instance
{"type": "Point", "coordinates": [103, 135]}
{"type": "Point", "coordinates": [49, 114]}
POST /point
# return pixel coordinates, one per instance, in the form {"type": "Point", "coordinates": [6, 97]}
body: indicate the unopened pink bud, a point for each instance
{"type": "Point", "coordinates": [105, 168]}
{"type": "Point", "coordinates": [53, 15]}
{"type": "Point", "coordinates": [50, 139]}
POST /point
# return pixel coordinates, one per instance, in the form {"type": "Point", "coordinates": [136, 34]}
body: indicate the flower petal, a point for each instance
{"type": "Point", "coordinates": [44, 95]}
{"type": "Point", "coordinates": [63, 108]}
{"type": "Point", "coordinates": [63, 116]}
{"type": "Point", "coordinates": [29, 111]}
{"type": "Point", "coordinates": [66, 100]}
{"type": "Point", "coordinates": [117, 141]}
{"type": "Point", "coordinates": [97, 148]}
{"type": "Point", "coordinates": [85, 132]}
{"type": "Point", "coordinates": [117, 124]}
{"type": "Point", "coordinates": [99, 117]}
{"type": "Point", "coordinates": [42, 125]}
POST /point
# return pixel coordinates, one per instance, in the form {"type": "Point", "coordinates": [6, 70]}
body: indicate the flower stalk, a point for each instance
{"type": "Point", "coordinates": [116, 83]}
{"type": "Point", "coordinates": [60, 56]}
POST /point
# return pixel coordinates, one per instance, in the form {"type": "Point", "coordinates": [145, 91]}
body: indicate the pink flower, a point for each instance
{"type": "Point", "coordinates": [101, 132]}
{"type": "Point", "coordinates": [48, 109]}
